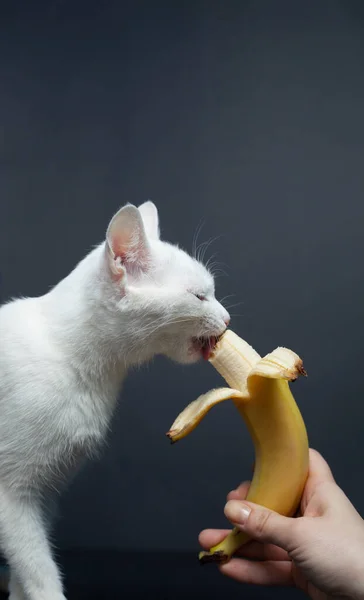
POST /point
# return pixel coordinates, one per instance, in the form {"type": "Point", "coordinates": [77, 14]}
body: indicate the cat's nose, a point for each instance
{"type": "Point", "coordinates": [225, 315]}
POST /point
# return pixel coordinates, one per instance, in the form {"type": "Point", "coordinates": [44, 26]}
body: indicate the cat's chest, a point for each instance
{"type": "Point", "coordinates": [86, 418]}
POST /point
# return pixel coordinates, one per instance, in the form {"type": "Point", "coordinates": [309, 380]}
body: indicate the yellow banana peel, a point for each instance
{"type": "Point", "coordinates": [259, 388]}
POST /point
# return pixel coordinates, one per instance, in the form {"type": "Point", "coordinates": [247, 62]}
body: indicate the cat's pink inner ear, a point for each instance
{"type": "Point", "coordinates": [127, 242]}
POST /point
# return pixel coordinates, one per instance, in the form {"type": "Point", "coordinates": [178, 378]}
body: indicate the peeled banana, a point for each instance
{"type": "Point", "coordinates": [259, 388]}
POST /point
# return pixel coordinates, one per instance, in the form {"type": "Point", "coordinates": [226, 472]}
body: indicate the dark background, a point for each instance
{"type": "Point", "coordinates": [248, 116]}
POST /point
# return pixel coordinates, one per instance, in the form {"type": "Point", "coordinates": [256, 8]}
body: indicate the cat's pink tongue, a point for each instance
{"type": "Point", "coordinates": [205, 345]}
{"type": "Point", "coordinates": [208, 347]}
{"type": "Point", "coordinates": [206, 352]}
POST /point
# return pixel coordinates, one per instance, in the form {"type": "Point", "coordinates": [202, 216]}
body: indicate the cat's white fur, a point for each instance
{"type": "Point", "coordinates": [63, 358]}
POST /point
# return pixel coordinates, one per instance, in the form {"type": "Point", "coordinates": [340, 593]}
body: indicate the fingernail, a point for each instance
{"type": "Point", "coordinates": [237, 512]}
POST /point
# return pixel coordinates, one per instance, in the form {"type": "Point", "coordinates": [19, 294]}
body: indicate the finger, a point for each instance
{"type": "Point", "coordinates": [319, 472]}
{"type": "Point", "coordinates": [258, 573]}
{"type": "Point", "coordinates": [262, 524]}
{"type": "Point", "coordinates": [257, 551]}
{"type": "Point", "coordinates": [252, 550]}
{"type": "Point", "coordinates": [240, 493]}
{"type": "Point", "coordinates": [234, 495]}
{"type": "Point", "coordinates": [211, 537]}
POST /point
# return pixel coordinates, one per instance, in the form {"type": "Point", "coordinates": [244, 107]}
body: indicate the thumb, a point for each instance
{"type": "Point", "coordinates": [262, 524]}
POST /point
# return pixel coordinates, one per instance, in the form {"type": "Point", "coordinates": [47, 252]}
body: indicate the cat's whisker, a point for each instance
{"type": "Point", "coordinates": [199, 250]}
{"type": "Point", "coordinates": [218, 273]}
{"type": "Point", "coordinates": [202, 248]}
{"type": "Point", "coordinates": [222, 300]}
{"type": "Point", "coordinates": [233, 305]}
{"type": "Point", "coordinates": [215, 266]}
{"type": "Point", "coordinates": [210, 262]}
{"type": "Point", "coordinates": [195, 237]}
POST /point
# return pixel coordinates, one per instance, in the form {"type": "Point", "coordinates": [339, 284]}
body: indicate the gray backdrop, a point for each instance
{"type": "Point", "coordinates": [246, 115]}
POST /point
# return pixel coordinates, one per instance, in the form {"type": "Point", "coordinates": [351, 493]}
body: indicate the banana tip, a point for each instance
{"type": "Point", "coordinates": [213, 557]}
{"type": "Point", "coordinates": [301, 369]}
{"type": "Point", "coordinates": [169, 435]}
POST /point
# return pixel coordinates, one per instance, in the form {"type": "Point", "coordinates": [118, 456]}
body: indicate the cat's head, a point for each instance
{"type": "Point", "coordinates": [166, 297]}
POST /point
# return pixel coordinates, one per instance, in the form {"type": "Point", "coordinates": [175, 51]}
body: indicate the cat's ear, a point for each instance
{"type": "Point", "coordinates": [126, 242]}
{"type": "Point", "coordinates": [150, 217]}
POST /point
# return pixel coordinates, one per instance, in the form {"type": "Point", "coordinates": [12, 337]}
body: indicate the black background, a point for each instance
{"type": "Point", "coordinates": [246, 116]}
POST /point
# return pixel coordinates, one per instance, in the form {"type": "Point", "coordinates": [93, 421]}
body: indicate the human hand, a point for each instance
{"type": "Point", "coordinates": [321, 551]}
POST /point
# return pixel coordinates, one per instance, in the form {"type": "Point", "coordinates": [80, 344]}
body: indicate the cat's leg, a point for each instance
{"type": "Point", "coordinates": [25, 545]}
{"type": "Point", "coordinates": [49, 515]}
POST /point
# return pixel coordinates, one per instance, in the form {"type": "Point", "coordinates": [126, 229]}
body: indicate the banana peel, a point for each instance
{"type": "Point", "coordinates": [259, 388]}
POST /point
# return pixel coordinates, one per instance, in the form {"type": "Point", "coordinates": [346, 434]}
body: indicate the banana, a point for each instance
{"type": "Point", "coordinates": [259, 388]}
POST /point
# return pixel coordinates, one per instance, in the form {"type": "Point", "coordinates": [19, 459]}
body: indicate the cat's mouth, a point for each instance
{"type": "Point", "coordinates": [206, 345]}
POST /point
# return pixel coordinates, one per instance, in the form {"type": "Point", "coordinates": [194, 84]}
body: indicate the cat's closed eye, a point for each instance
{"type": "Point", "coordinates": [200, 296]}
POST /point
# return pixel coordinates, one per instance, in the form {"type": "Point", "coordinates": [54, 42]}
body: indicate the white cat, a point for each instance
{"type": "Point", "coordinates": [63, 358]}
